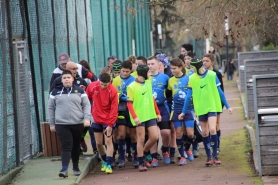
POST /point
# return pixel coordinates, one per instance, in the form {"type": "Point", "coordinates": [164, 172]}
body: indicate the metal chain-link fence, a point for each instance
{"type": "Point", "coordinates": [33, 34]}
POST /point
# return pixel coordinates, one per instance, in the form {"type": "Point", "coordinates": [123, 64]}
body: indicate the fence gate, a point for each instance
{"type": "Point", "coordinates": [22, 99]}
{"type": "Point", "coordinates": [265, 89]}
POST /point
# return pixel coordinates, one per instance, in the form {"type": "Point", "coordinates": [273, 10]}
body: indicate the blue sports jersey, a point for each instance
{"type": "Point", "coordinates": [190, 72]}
{"type": "Point", "coordinates": [159, 84]}
{"type": "Point", "coordinates": [179, 88]}
{"type": "Point", "coordinates": [121, 83]}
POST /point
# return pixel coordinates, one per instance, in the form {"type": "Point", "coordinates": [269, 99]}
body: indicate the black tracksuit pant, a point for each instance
{"type": "Point", "coordinates": [70, 136]}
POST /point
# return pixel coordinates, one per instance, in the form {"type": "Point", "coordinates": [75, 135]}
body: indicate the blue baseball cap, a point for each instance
{"type": "Point", "coordinates": [162, 57]}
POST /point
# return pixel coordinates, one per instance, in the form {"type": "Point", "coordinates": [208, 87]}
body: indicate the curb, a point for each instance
{"type": "Point", "coordinates": [251, 133]}
{"type": "Point", "coordinates": [242, 100]}
{"type": "Point", "coordinates": [88, 167]}
{"type": "Point", "coordinates": [6, 178]}
{"type": "Point", "coordinates": [254, 146]}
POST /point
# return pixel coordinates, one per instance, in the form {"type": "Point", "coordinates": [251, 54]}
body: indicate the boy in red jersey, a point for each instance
{"type": "Point", "coordinates": [104, 99]}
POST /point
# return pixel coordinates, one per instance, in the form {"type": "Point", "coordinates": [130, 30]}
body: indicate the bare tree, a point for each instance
{"type": "Point", "coordinates": [251, 22]}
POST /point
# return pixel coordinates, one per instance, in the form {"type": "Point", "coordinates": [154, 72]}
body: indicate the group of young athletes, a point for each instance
{"type": "Point", "coordinates": [156, 97]}
{"type": "Point", "coordinates": [133, 103]}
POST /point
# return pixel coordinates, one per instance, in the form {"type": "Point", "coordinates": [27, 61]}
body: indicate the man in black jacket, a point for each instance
{"type": "Point", "coordinates": [77, 79]}
{"type": "Point", "coordinates": [63, 60]}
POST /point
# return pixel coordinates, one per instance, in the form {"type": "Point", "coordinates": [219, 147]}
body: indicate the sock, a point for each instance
{"type": "Point", "coordinates": [115, 145]}
{"type": "Point", "coordinates": [65, 159]}
{"type": "Point", "coordinates": [180, 147]}
{"type": "Point", "coordinates": [164, 149]}
{"type": "Point", "coordinates": [206, 142]}
{"type": "Point", "coordinates": [213, 144]}
{"type": "Point", "coordinates": [141, 160]}
{"type": "Point", "coordinates": [103, 157]}
{"type": "Point", "coordinates": [188, 143]}
{"type": "Point", "coordinates": [121, 143]}
{"type": "Point", "coordinates": [184, 138]}
{"type": "Point", "coordinates": [128, 145]}
{"type": "Point", "coordinates": [195, 145]}
{"type": "Point", "coordinates": [154, 155]}
{"type": "Point", "coordinates": [172, 151]}
{"type": "Point", "coordinates": [64, 168]}
{"type": "Point", "coordinates": [219, 135]}
{"type": "Point", "coordinates": [109, 160]}
{"type": "Point", "coordinates": [146, 153]}
{"type": "Point", "coordinates": [134, 150]}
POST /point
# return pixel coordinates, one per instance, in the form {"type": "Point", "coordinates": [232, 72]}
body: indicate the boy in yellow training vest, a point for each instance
{"type": "Point", "coordinates": [207, 96]}
{"type": "Point", "coordinates": [144, 114]}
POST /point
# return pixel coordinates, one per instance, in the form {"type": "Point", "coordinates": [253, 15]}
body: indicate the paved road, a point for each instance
{"type": "Point", "coordinates": [235, 168]}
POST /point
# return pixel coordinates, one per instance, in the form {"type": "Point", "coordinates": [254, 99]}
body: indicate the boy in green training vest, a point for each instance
{"type": "Point", "coordinates": [144, 114]}
{"type": "Point", "coordinates": [207, 96]}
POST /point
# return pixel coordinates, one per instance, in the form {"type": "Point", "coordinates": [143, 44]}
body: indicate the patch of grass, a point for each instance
{"type": "Point", "coordinates": [237, 151]}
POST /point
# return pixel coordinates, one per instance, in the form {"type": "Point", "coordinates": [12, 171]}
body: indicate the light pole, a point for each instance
{"type": "Point", "coordinates": [159, 31]}
{"type": "Point", "coordinates": [227, 33]}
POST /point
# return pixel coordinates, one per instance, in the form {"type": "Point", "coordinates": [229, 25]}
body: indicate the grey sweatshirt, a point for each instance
{"type": "Point", "coordinates": [68, 106]}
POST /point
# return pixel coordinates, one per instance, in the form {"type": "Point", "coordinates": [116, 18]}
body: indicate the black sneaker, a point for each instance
{"type": "Point", "coordinates": [63, 173]}
{"type": "Point", "coordinates": [129, 158]}
{"type": "Point", "coordinates": [121, 164]}
{"type": "Point", "coordinates": [142, 167]}
{"type": "Point", "coordinates": [172, 159]}
{"type": "Point", "coordinates": [113, 165]}
{"type": "Point", "coordinates": [209, 162]}
{"type": "Point", "coordinates": [117, 161]}
{"type": "Point", "coordinates": [76, 172]}
{"type": "Point", "coordinates": [159, 156]}
{"type": "Point", "coordinates": [216, 161]}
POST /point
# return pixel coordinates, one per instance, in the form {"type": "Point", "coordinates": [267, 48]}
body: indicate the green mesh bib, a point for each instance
{"type": "Point", "coordinates": [205, 93]}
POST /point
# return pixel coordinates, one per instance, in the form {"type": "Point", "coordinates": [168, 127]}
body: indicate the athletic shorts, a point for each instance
{"type": "Point", "coordinates": [188, 119]}
{"type": "Point", "coordinates": [164, 112]}
{"type": "Point", "coordinates": [164, 125]}
{"type": "Point", "coordinates": [189, 115]}
{"type": "Point", "coordinates": [148, 123]}
{"type": "Point", "coordinates": [124, 120]}
{"type": "Point", "coordinates": [206, 116]}
{"type": "Point", "coordinates": [165, 117]}
{"type": "Point", "coordinates": [98, 127]}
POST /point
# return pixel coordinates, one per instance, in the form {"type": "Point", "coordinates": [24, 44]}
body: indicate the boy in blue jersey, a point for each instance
{"type": "Point", "coordinates": [207, 97]}
{"type": "Point", "coordinates": [178, 84]}
{"type": "Point", "coordinates": [187, 58]}
{"type": "Point", "coordinates": [164, 66]}
{"type": "Point", "coordinates": [120, 83]}
{"type": "Point", "coordinates": [159, 86]}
